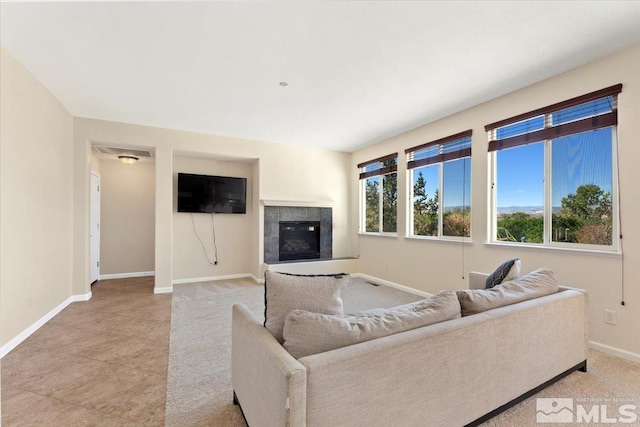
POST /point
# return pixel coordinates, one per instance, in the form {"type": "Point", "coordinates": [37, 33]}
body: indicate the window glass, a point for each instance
{"type": "Point", "coordinates": [559, 191]}
{"type": "Point", "coordinates": [379, 192]}
{"type": "Point", "coordinates": [426, 200]}
{"type": "Point", "coordinates": [581, 188]}
{"type": "Point", "coordinates": [520, 194]}
{"type": "Point", "coordinates": [389, 202]}
{"type": "Point", "coordinates": [456, 210]}
{"type": "Point", "coordinates": [372, 204]}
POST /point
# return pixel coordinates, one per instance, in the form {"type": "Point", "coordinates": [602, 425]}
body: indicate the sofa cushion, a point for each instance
{"type": "Point", "coordinates": [536, 284]}
{"type": "Point", "coordinates": [308, 333]}
{"type": "Point", "coordinates": [508, 270]}
{"type": "Point", "coordinates": [285, 292]}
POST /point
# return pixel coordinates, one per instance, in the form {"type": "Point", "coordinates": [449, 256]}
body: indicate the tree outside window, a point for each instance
{"type": "Point", "coordinates": [379, 182]}
{"type": "Point", "coordinates": [427, 200]}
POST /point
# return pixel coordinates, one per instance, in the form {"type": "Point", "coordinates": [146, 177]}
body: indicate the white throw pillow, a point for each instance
{"type": "Point", "coordinates": [307, 333]}
{"type": "Point", "coordinates": [285, 292]}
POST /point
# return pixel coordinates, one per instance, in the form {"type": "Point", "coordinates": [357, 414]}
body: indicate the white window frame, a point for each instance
{"type": "Point", "coordinates": [440, 236]}
{"type": "Point", "coordinates": [432, 154]}
{"type": "Point", "coordinates": [363, 205]}
{"type": "Point", "coordinates": [363, 208]}
{"type": "Point", "coordinates": [548, 209]}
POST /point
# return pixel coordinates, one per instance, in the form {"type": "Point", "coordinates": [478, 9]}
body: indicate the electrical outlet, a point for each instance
{"type": "Point", "coordinates": [610, 317]}
{"type": "Point", "coordinates": [29, 304]}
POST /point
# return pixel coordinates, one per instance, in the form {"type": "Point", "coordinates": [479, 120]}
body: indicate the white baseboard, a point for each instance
{"type": "Point", "coordinates": [84, 297]}
{"type": "Point", "coordinates": [6, 349]}
{"type": "Point", "coordinates": [392, 284]}
{"type": "Point", "coordinates": [169, 290]}
{"type": "Point", "coordinates": [126, 275]}
{"type": "Point", "coordinates": [213, 278]}
{"type": "Point", "coordinates": [34, 327]}
{"type": "Point", "coordinates": [614, 351]}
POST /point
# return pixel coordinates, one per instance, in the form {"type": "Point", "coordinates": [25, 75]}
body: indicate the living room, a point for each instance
{"type": "Point", "coordinates": [46, 172]}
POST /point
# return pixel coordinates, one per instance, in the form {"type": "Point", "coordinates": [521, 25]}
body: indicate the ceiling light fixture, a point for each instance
{"type": "Point", "coordinates": [284, 84]}
{"type": "Point", "coordinates": [128, 160]}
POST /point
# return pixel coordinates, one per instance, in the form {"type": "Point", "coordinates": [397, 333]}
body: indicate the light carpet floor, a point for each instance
{"type": "Point", "coordinates": [199, 391]}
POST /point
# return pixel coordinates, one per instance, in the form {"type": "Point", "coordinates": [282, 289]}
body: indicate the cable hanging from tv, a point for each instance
{"type": "Point", "coordinates": [215, 246]}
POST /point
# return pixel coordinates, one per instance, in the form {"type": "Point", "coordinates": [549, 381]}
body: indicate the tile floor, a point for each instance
{"type": "Point", "coordinates": [97, 363]}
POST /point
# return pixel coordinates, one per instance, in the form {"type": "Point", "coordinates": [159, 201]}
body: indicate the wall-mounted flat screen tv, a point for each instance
{"type": "Point", "coordinates": [211, 194]}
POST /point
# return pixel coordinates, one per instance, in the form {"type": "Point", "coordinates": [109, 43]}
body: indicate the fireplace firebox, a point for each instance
{"type": "Point", "coordinates": [299, 240]}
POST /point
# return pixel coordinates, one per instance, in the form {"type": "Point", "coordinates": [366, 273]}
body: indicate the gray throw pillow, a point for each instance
{"type": "Point", "coordinates": [533, 285]}
{"type": "Point", "coordinates": [307, 333]}
{"type": "Point", "coordinates": [285, 292]}
{"type": "Point", "coordinates": [508, 270]}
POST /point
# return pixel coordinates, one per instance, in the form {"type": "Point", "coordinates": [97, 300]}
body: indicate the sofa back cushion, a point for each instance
{"type": "Point", "coordinates": [536, 284]}
{"type": "Point", "coordinates": [284, 292]}
{"type": "Point", "coordinates": [307, 333]}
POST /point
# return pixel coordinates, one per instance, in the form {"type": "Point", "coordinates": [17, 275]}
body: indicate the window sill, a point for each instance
{"type": "Point", "coordinates": [466, 241]}
{"type": "Point", "coordinates": [556, 249]}
{"type": "Point", "coordinates": [393, 235]}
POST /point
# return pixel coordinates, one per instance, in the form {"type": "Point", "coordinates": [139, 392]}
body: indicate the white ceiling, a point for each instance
{"type": "Point", "coordinates": [358, 72]}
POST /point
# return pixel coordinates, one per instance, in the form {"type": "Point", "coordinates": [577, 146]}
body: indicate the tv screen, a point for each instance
{"type": "Point", "coordinates": [207, 194]}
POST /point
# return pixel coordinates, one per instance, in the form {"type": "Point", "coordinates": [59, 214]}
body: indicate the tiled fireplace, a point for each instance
{"type": "Point", "coordinates": [297, 233]}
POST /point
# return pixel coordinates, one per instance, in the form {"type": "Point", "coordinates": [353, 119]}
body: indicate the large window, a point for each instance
{"type": "Point", "coordinates": [379, 189]}
{"type": "Point", "coordinates": [553, 174]}
{"type": "Point", "coordinates": [440, 178]}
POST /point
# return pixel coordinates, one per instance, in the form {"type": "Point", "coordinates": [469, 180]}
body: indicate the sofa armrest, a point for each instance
{"type": "Point", "coordinates": [477, 280]}
{"type": "Point", "coordinates": [586, 309]}
{"type": "Point", "coordinates": [562, 288]}
{"type": "Point", "coordinates": [269, 383]}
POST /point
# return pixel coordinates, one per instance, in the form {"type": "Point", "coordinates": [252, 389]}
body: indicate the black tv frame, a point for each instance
{"type": "Point", "coordinates": [211, 194]}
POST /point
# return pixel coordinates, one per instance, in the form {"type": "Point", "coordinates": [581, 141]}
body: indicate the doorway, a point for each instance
{"type": "Point", "coordinates": [94, 232]}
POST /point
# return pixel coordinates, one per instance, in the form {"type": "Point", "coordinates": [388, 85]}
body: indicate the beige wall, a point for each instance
{"type": "Point", "coordinates": [233, 231]}
{"type": "Point", "coordinates": [95, 163]}
{"type": "Point", "coordinates": [36, 199]}
{"type": "Point", "coordinates": [432, 265]}
{"type": "Point", "coordinates": [280, 172]}
{"type": "Point", "coordinates": [127, 216]}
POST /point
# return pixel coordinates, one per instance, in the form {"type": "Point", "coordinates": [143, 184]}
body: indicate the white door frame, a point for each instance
{"type": "Point", "coordinates": [94, 228]}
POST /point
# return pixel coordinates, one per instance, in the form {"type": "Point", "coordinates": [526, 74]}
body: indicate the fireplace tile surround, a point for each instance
{"type": "Point", "coordinates": [274, 214]}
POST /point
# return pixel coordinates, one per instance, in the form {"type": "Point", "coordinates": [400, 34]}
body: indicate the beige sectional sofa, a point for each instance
{"type": "Point", "coordinates": [454, 373]}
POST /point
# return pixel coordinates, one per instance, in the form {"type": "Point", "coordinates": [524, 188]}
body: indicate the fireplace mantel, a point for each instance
{"type": "Point", "coordinates": [297, 203]}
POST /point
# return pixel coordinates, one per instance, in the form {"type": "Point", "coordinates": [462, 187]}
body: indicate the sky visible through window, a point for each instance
{"type": "Point", "coordinates": [576, 160]}
{"type": "Point", "coordinates": [457, 182]}
{"type": "Point", "coordinates": [430, 175]}
{"type": "Point", "coordinates": [520, 180]}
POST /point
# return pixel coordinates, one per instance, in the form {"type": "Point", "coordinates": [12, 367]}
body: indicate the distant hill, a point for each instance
{"type": "Point", "coordinates": [531, 210]}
